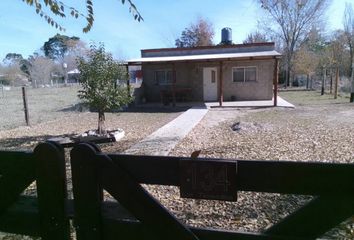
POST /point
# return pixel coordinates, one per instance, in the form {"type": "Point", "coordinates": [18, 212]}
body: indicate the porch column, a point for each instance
{"type": "Point", "coordinates": [128, 80]}
{"type": "Point", "coordinates": [173, 84]}
{"type": "Point", "coordinates": [275, 81]}
{"type": "Point", "coordinates": [221, 92]}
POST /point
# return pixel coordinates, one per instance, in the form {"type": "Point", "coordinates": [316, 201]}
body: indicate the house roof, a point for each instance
{"type": "Point", "coordinates": [207, 57]}
{"type": "Point", "coordinates": [233, 46]}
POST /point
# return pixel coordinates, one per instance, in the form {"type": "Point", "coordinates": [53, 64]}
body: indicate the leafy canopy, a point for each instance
{"type": "Point", "coordinates": [200, 33]}
{"type": "Point", "coordinates": [60, 9]}
{"type": "Point", "coordinates": [98, 76]}
{"type": "Point", "coordinates": [56, 47]}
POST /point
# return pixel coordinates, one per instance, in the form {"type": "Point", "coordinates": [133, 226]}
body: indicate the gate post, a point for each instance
{"type": "Point", "coordinates": [87, 192]}
{"type": "Point", "coordinates": [51, 191]}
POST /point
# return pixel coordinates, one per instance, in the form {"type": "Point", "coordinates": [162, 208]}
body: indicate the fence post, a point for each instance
{"type": "Point", "coordinates": [25, 105]}
{"type": "Point", "coordinates": [51, 191]}
{"type": "Point", "coordinates": [87, 192]}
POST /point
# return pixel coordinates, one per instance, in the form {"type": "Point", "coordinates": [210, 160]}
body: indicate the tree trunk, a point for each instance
{"type": "Point", "coordinates": [323, 81]}
{"type": "Point", "coordinates": [336, 84]}
{"type": "Point", "coordinates": [288, 77]}
{"type": "Point", "coordinates": [331, 83]}
{"type": "Point", "coordinates": [352, 77]}
{"type": "Point", "coordinates": [101, 119]}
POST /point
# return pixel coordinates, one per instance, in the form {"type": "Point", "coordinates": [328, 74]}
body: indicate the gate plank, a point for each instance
{"type": "Point", "coordinates": [51, 191]}
{"type": "Point", "coordinates": [17, 171]}
{"type": "Point", "coordinates": [256, 176]}
{"type": "Point", "coordinates": [158, 222]}
{"type": "Point", "coordinates": [315, 218]}
{"type": "Point", "coordinates": [87, 192]}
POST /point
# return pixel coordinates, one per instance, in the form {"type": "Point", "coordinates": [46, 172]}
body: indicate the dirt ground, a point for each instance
{"type": "Point", "coordinates": [318, 129]}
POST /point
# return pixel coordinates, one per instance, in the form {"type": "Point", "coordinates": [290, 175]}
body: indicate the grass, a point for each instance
{"type": "Point", "coordinates": [302, 98]}
{"type": "Point", "coordinates": [44, 104]}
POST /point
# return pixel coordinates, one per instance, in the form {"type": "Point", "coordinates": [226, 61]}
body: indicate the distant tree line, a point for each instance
{"type": "Point", "coordinates": [47, 66]}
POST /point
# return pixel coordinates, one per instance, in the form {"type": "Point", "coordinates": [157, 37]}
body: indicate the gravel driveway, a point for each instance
{"type": "Point", "coordinates": [319, 129]}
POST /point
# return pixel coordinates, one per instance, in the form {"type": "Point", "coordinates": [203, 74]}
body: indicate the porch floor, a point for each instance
{"type": "Point", "coordinates": [266, 103]}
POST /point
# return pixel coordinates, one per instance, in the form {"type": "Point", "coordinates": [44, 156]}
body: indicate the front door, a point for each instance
{"type": "Point", "coordinates": [210, 84]}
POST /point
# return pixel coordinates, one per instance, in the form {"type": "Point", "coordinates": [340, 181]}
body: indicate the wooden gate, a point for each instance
{"type": "Point", "coordinates": [137, 215]}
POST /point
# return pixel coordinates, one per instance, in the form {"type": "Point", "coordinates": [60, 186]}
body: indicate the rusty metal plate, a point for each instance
{"type": "Point", "coordinates": [208, 179]}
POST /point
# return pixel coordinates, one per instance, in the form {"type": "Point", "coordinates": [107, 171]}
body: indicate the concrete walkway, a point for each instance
{"type": "Point", "coordinates": [162, 141]}
{"type": "Point", "coordinates": [268, 103]}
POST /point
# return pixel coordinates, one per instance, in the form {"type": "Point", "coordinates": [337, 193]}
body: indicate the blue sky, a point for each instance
{"type": "Point", "coordinates": [23, 31]}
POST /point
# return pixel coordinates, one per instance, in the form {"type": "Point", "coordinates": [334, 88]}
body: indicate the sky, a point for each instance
{"type": "Point", "coordinates": [23, 31]}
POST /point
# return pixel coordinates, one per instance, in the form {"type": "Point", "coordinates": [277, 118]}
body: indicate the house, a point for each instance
{"type": "Point", "coordinates": [215, 73]}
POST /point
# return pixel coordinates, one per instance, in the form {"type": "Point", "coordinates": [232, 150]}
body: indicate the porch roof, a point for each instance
{"type": "Point", "coordinates": [207, 57]}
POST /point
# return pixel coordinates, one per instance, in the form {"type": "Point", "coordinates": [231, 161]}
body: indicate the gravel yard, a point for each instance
{"type": "Point", "coordinates": [319, 129]}
{"type": "Point", "coordinates": [54, 112]}
{"type": "Point", "coordinates": [136, 125]}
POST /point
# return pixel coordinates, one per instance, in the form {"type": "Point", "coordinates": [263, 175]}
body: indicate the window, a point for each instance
{"type": "Point", "coordinates": [244, 74]}
{"type": "Point", "coordinates": [213, 76]}
{"type": "Point", "coordinates": [163, 77]}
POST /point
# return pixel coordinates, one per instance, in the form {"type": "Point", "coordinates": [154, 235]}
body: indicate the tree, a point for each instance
{"type": "Point", "coordinates": [292, 21]}
{"type": "Point", "coordinates": [16, 66]}
{"type": "Point", "coordinates": [56, 47]}
{"type": "Point", "coordinates": [12, 58]}
{"type": "Point", "coordinates": [256, 37]}
{"type": "Point", "coordinates": [12, 74]}
{"type": "Point", "coordinates": [200, 33]}
{"type": "Point", "coordinates": [64, 50]}
{"type": "Point", "coordinates": [309, 55]}
{"type": "Point", "coordinates": [306, 62]}
{"type": "Point", "coordinates": [348, 22]}
{"type": "Point", "coordinates": [40, 70]}
{"type": "Point", "coordinates": [98, 76]}
{"type": "Point", "coordinates": [60, 9]}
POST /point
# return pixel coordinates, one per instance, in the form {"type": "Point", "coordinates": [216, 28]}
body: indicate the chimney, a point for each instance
{"type": "Point", "coordinates": [226, 36]}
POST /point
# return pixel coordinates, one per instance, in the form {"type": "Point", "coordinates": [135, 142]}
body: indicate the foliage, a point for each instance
{"type": "Point", "coordinates": [40, 70]}
{"type": "Point", "coordinates": [60, 9]}
{"type": "Point", "coordinates": [292, 21]}
{"type": "Point", "coordinates": [56, 47]}
{"type": "Point", "coordinates": [309, 55]}
{"type": "Point", "coordinates": [348, 22]}
{"type": "Point", "coordinates": [98, 76]}
{"type": "Point", "coordinates": [200, 33]}
{"type": "Point", "coordinates": [256, 37]}
{"type": "Point", "coordinates": [11, 58]}
{"type": "Point", "coordinates": [11, 74]}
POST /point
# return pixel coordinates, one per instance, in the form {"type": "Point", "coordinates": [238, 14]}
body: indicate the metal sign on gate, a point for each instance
{"type": "Point", "coordinates": [203, 179]}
